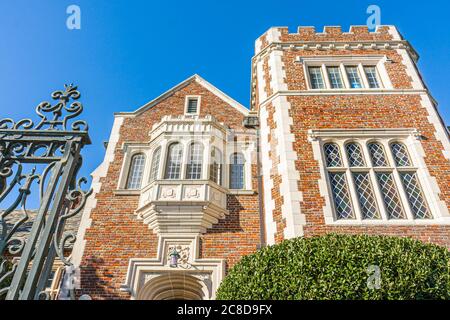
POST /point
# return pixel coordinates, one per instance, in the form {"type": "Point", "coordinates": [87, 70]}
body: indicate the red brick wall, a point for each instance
{"type": "Point", "coordinates": [115, 235]}
{"type": "Point", "coordinates": [348, 111]}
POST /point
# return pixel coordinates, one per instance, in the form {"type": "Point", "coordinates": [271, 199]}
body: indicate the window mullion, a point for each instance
{"type": "Point", "coordinates": [403, 195]}
{"type": "Point", "coordinates": [397, 181]}
{"type": "Point", "coordinates": [325, 77]}
{"type": "Point", "coordinates": [378, 195]}
{"type": "Point", "coordinates": [344, 76]}
{"type": "Point", "coordinates": [162, 161]}
{"type": "Point", "coordinates": [354, 195]}
{"type": "Point", "coordinates": [362, 74]}
{"type": "Point", "coordinates": [351, 185]}
{"type": "Point", "coordinates": [376, 188]}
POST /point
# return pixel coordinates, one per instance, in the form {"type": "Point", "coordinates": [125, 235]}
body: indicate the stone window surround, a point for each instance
{"type": "Point", "coordinates": [130, 149]}
{"type": "Point", "coordinates": [186, 104]}
{"type": "Point", "coordinates": [343, 61]}
{"type": "Point", "coordinates": [411, 139]}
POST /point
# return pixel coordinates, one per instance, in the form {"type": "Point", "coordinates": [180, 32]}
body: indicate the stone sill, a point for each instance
{"type": "Point", "coordinates": [126, 192]}
{"type": "Point", "coordinates": [242, 192]}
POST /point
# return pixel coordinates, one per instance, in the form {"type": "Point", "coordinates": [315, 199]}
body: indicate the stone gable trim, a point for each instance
{"type": "Point", "coordinates": [91, 202]}
{"type": "Point", "coordinates": [239, 107]}
{"type": "Point", "coordinates": [290, 209]}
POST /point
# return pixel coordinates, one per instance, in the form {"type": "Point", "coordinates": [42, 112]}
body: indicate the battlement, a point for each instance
{"type": "Point", "coordinates": [329, 34]}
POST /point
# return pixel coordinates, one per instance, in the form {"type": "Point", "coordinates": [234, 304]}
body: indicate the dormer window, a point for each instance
{"type": "Point", "coordinates": [192, 105]}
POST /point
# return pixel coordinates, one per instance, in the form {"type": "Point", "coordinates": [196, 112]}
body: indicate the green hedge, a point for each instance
{"type": "Point", "coordinates": [341, 267]}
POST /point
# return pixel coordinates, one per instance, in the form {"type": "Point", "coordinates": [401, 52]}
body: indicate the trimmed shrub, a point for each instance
{"type": "Point", "coordinates": [341, 267]}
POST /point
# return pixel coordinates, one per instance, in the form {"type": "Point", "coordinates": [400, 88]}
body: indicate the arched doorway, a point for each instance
{"type": "Point", "coordinates": [172, 286]}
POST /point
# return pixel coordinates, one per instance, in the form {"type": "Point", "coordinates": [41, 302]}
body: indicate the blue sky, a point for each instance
{"type": "Point", "coordinates": [128, 52]}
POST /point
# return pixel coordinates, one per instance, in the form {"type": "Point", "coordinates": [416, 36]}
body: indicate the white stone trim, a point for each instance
{"type": "Point", "coordinates": [411, 70]}
{"type": "Point", "coordinates": [262, 94]}
{"type": "Point", "coordinates": [141, 270]}
{"type": "Point", "coordinates": [290, 176]}
{"type": "Point", "coordinates": [410, 137]}
{"type": "Point", "coordinates": [91, 202]}
{"type": "Point", "coordinates": [336, 92]}
{"type": "Point", "coordinates": [286, 169]}
{"type": "Point", "coordinates": [266, 164]}
{"type": "Point", "coordinates": [393, 32]}
{"type": "Point", "coordinates": [434, 118]}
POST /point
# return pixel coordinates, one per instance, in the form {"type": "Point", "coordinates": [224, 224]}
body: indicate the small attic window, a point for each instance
{"type": "Point", "coordinates": [192, 105]}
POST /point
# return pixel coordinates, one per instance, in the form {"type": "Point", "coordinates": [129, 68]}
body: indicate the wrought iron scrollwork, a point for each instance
{"type": "Point", "coordinates": [29, 242]}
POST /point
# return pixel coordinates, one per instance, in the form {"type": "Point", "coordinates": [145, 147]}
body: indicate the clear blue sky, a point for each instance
{"type": "Point", "coordinates": [128, 52]}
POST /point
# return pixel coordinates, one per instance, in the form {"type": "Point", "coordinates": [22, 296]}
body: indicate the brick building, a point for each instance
{"type": "Point", "coordinates": [350, 141]}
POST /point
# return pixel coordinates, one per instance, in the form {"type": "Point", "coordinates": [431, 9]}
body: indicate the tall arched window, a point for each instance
{"type": "Point", "coordinates": [195, 160]}
{"type": "Point", "coordinates": [237, 162]}
{"type": "Point", "coordinates": [174, 158]}
{"type": "Point", "coordinates": [136, 171]}
{"type": "Point", "coordinates": [155, 164]}
{"type": "Point", "coordinates": [215, 170]}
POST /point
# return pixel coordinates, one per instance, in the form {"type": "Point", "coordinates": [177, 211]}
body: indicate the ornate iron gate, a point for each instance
{"type": "Point", "coordinates": [53, 144]}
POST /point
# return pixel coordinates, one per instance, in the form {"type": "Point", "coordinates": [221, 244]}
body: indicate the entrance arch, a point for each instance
{"type": "Point", "coordinates": [172, 286]}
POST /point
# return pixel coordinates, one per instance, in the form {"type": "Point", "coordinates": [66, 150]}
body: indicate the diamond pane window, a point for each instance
{"type": "Point", "coordinates": [415, 195]}
{"type": "Point", "coordinates": [333, 155]}
{"type": "Point", "coordinates": [353, 77]}
{"type": "Point", "coordinates": [354, 154]}
{"type": "Point", "coordinates": [315, 75]}
{"type": "Point", "coordinates": [136, 171]}
{"type": "Point", "coordinates": [155, 164]}
{"type": "Point", "coordinates": [372, 77]}
{"type": "Point", "coordinates": [377, 155]}
{"type": "Point", "coordinates": [341, 196]}
{"type": "Point", "coordinates": [195, 160]}
{"type": "Point", "coordinates": [174, 158]}
{"type": "Point", "coordinates": [237, 171]}
{"type": "Point", "coordinates": [400, 154]}
{"type": "Point", "coordinates": [334, 74]}
{"type": "Point", "coordinates": [366, 197]}
{"type": "Point", "coordinates": [390, 195]}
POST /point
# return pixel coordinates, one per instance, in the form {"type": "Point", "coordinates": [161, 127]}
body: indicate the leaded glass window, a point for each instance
{"type": "Point", "coordinates": [155, 164]}
{"type": "Point", "coordinates": [174, 159]}
{"type": "Point", "coordinates": [237, 171]}
{"type": "Point", "coordinates": [136, 171]}
{"type": "Point", "coordinates": [341, 196]}
{"type": "Point", "coordinates": [315, 75]}
{"type": "Point", "coordinates": [415, 195]}
{"type": "Point", "coordinates": [354, 154]}
{"type": "Point", "coordinates": [377, 189]}
{"type": "Point", "coordinates": [390, 195]}
{"type": "Point", "coordinates": [366, 196]}
{"type": "Point", "coordinates": [377, 155]}
{"type": "Point", "coordinates": [333, 155]}
{"type": "Point", "coordinates": [400, 154]}
{"type": "Point", "coordinates": [195, 160]}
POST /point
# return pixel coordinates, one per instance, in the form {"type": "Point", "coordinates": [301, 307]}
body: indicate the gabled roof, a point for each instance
{"type": "Point", "coordinates": [183, 84]}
